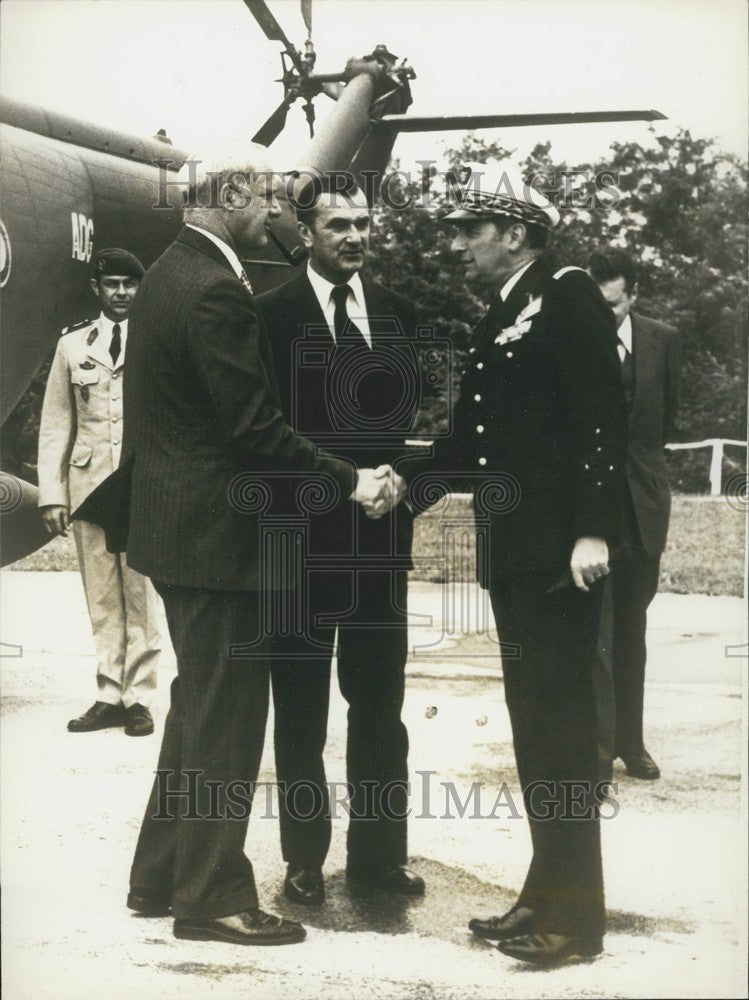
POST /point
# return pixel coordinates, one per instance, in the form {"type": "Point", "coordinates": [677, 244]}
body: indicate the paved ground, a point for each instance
{"type": "Point", "coordinates": [674, 854]}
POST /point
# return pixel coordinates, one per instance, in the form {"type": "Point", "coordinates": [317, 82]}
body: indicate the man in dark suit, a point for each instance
{"type": "Point", "coordinates": [203, 416]}
{"type": "Point", "coordinates": [648, 351]}
{"type": "Point", "coordinates": [349, 379]}
{"type": "Point", "coordinates": [538, 434]}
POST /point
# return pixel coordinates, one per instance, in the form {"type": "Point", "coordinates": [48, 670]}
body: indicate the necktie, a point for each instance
{"type": "Point", "coordinates": [116, 343]}
{"type": "Point", "coordinates": [347, 333]}
{"type": "Point", "coordinates": [628, 374]}
{"type": "Point", "coordinates": [245, 281]}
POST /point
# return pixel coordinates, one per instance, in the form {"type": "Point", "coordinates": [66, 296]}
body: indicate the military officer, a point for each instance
{"type": "Point", "coordinates": [538, 435]}
{"type": "Point", "coordinates": [79, 445]}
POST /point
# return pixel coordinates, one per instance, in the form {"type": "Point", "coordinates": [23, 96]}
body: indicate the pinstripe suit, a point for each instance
{"type": "Point", "coordinates": [202, 408]}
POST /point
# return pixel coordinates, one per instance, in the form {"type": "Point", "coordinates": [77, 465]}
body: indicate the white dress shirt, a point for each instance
{"type": "Point", "coordinates": [226, 250]}
{"type": "Point", "coordinates": [356, 307]}
{"type": "Point", "coordinates": [624, 333]}
{"type": "Point", "coordinates": [106, 327]}
{"type": "Point", "coordinates": [511, 282]}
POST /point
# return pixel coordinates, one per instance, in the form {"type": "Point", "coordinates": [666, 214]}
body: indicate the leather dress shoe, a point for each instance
{"type": "Point", "coordinates": [398, 878]}
{"type": "Point", "coordinates": [247, 927]}
{"type": "Point", "coordinates": [148, 906]}
{"type": "Point", "coordinates": [101, 715]}
{"type": "Point", "coordinates": [138, 721]}
{"type": "Point", "coordinates": [641, 765]}
{"type": "Point", "coordinates": [304, 885]}
{"type": "Point", "coordinates": [517, 921]}
{"type": "Point", "coordinates": [543, 948]}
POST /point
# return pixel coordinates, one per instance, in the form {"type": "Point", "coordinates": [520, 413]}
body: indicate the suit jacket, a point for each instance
{"type": "Point", "coordinates": [204, 426]}
{"type": "Point", "coordinates": [80, 434]}
{"type": "Point", "coordinates": [358, 407]}
{"type": "Point", "coordinates": [655, 355]}
{"type": "Point", "coordinates": [539, 430]}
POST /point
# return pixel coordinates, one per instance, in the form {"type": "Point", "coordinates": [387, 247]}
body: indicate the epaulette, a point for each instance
{"type": "Point", "coordinates": [76, 326]}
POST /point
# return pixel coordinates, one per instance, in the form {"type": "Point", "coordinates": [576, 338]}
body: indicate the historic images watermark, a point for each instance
{"type": "Point", "coordinates": [187, 794]}
{"type": "Point", "coordinates": [425, 188]}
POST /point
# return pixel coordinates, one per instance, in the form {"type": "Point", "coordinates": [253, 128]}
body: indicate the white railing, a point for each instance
{"type": "Point", "coordinates": [716, 462]}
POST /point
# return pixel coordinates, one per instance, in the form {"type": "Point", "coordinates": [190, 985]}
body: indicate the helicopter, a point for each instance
{"type": "Point", "coordinates": [69, 187]}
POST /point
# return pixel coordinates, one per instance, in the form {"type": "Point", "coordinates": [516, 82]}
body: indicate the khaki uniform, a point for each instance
{"type": "Point", "coordinates": [80, 438]}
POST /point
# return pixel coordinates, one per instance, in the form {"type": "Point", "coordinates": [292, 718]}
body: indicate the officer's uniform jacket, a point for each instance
{"type": "Point", "coordinates": [539, 431]}
{"type": "Point", "coordinates": [80, 435]}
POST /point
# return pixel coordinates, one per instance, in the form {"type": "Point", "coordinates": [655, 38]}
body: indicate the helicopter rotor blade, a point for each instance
{"type": "Point", "coordinates": [273, 31]}
{"type": "Point", "coordinates": [306, 6]}
{"type": "Point", "coordinates": [444, 123]}
{"type": "Point", "coordinates": [272, 126]}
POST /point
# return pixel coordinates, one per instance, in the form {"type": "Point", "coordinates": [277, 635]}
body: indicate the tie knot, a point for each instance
{"type": "Point", "coordinates": [116, 329]}
{"type": "Point", "coordinates": [339, 294]}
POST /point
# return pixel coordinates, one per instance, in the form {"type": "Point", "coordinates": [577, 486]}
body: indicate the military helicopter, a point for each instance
{"type": "Point", "coordinates": [69, 187]}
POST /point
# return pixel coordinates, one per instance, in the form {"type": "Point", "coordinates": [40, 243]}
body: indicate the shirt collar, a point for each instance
{"type": "Point", "coordinates": [324, 288]}
{"type": "Point", "coordinates": [624, 333]}
{"type": "Point", "coordinates": [107, 325]}
{"type": "Point", "coordinates": [226, 250]}
{"type": "Point", "coordinates": [511, 282]}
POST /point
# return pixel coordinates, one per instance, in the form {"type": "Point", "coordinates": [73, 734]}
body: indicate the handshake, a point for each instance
{"type": "Point", "coordinates": [379, 490]}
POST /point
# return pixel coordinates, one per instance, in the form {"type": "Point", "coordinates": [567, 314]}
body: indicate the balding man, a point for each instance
{"type": "Point", "coordinates": [203, 413]}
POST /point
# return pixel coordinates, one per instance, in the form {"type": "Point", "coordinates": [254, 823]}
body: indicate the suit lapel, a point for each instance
{"type": "Point", "coordinates": [644, 349]}
{"type": "Point", "coordinates": [308, 310]}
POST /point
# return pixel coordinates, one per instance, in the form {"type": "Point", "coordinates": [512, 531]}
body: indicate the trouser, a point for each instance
{"type": "Point", "coordinates": [369, 608]}
{"type": "Point", "coordinates": [549, 695]}
{"type": "Point", "coordinates": [123, 610]}
{"type": "Point", "coordinates": [191, 845]}
{"type": "Point", "coordinates": [622, 653]}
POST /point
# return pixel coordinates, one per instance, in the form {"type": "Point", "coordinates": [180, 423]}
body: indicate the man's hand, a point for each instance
{"type": "Point", "coordinates": [589, 561]}
{"type": "Point", "coordinates": [378, 490]}
{"type": "Point", "coordinates": [56, 520]}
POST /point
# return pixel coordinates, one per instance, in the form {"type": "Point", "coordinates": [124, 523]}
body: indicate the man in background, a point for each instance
{"type": "Point", "coordinates": [648, 351]}
{"type": "Point", "coordinates": [80, 438]}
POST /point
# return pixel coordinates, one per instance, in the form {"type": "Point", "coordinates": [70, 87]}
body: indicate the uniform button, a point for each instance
{"type": "Point", "coordinates": [114, 398]}
{"type": "Point", "coordinates": [471, 350]}
{"type": "Point", "coordinates": [587, 466]}
{"type": "Point", "coordinates": [598, 430]}
{"type": "Point", "coordinates": [598, 449]}
{"type": "Point", "coordinates": [480, 429]}
{"type": "Point", "coordinates": [480, 365]}
{"type": "Point", "coordinates": [115, 374]}
{"type": "Point", "coordinates": [482, 461]}
{"type": "Point", "coordinates": [611, 468]}
{"type": "Point", "coordinates": [599, 484]}
{"type": "Point", "coordinates": [115, 419]}
{"type": "Point", "coordinates": [477, 398]}
{"type": "Point", "coordinates": [115, 441]}
{"type": "Point", "coordinates": [509, 354]}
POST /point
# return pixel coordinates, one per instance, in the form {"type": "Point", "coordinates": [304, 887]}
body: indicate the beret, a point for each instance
{"type": "Point", "coordinates": [117, 262]}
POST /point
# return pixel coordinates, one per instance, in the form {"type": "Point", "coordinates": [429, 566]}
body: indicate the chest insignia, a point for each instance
{"type": "Point", "coordinates": [92, 337]}
{"type": "Point", "coordinates": [87, 365]}
{"type": "Point", "coordinates": [521, 325]}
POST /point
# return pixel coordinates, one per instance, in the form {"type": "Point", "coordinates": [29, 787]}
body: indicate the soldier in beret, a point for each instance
{"type": "Point", "coordinates": [539, 436]}
{"type": "Point", "coordinates": [79, 445]}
